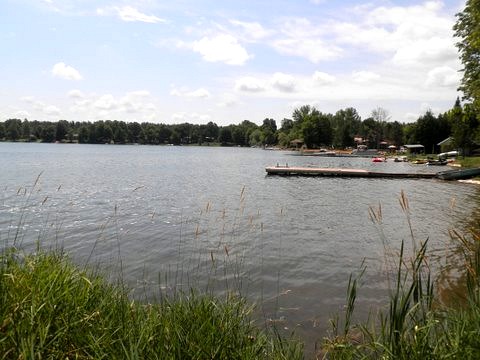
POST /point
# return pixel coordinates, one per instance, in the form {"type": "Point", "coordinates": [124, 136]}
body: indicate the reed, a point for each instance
{"type": "Point", "coordinates": [50, 308]}
{"type": "Point", "coordinates": [414, 325]}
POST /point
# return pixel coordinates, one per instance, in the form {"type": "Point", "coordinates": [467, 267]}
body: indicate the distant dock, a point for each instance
{"type": "Point", "coordinates": [312, 171]}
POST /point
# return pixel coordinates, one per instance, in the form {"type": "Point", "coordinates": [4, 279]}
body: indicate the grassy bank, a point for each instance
{"type": "Point", "coordinates": [49, 308]}
{"type": "Point", "coordinates": [416, 324]}
{"type": "Point", "coordinates": [470, 162]}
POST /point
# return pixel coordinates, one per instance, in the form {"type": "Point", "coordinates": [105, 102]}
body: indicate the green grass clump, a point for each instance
{"type": "Point", "coordinates": [470, 162]}
{"type": "Point", "coordinates": [51, 309]}
{"type": "Point", "coordinates": [415, 324]}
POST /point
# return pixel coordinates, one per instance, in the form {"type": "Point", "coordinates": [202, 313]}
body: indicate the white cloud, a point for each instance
{"type": "Point", "coordinates": [283, 82]}
{"type": "Point", "coordinates": [192, 117]}
{"type": "Point", "coordinates": [322, 78]}
{"type": "Point", "coordinates": [417, 35]}
{"type": "Point", "coordinates": [303, 39]}
{"type": "Point", "coordinates": [221, 48]}
{"type": "Point", "coordinates": [228, 100]}
{"type": "Point", "coordinates": [252, 31]}
{"type": "Point", "coordinates": [28, 99]}
{"type": "Point", "coordinates": [411, 117]}
{"type": "Point", "coordinates": [250, 84]}
{"type": "Point", "coordinates": [51, 110]}
{"type": "Point", "coordinates": [131, 14]}
{"type": "Point", "coordinates": [315, 50]}
{"type": "Point", "coordinates": [63, 71]}
{"type": "Point", "coordinates": [22, 114]}
{"type": "Point", "coordinates": [443, 76]}
{"type": "Point", "coordinates": [426, 51]}
{"type": "Point", "coordinates": [364, 76]}
{"type": "Point", "coordinates": [76, 94]}
{"type": "Point", "coordinates": [199, 93]}
{"type": "Point", "coordinates": [139, 93]}
{"type": "Point", "coordinates": [106, 102]}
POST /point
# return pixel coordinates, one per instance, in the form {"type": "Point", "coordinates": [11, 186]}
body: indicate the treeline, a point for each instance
{"type": "Point", "coordinates": [308, 126]}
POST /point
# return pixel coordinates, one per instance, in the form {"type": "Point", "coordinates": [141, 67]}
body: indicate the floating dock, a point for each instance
{"type": "Point", "coordinates": [312, 171]}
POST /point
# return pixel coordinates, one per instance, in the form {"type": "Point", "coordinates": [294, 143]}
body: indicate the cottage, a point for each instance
{"type": "Point", "coordinates": [415, 149]}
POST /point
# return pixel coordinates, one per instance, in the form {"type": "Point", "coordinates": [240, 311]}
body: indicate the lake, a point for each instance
{"type": "Point", "coordinates": [166, 217]}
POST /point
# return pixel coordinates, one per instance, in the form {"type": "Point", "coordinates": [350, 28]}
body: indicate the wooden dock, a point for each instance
{"type": "Point", "coordinates": [312, 171]}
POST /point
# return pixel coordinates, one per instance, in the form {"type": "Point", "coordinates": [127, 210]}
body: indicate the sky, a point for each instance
{"type": "Point", "coordinates": [225, 61]}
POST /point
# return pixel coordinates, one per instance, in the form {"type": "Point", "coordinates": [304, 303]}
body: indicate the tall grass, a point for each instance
{"type": "Point", "coordinates": [51, 309]}
{"type": "Point", "coordinates": [415, 325]}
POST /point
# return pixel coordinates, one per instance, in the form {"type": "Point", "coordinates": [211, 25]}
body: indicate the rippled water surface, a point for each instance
{"type": "Point", "coordinates": [191, 215]}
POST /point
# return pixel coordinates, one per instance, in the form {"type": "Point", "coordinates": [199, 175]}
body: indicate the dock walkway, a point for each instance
{"type": "Point", "coordinates": [311, 171]}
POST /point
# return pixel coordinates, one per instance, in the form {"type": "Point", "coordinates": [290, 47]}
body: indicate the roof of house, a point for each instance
{"type": "Point", "coordinates": [416, 146]}
{"type": "Point", "coordinates": [446, 141]}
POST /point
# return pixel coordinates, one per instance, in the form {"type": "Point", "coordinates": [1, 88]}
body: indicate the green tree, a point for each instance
{"type": "Point", "coordinates": [164, 133]}
{"type": "Point", "coordinates": [83, 134]}
{"type": "Point", "coordinates": [48, 133]}
{"type": "Point", "coordinates": [317, 130]}
{"type": "Point", "coordinates": [256, 137]}
{"type": "Point", "coordinates": [238, 136]}
{"type": "Point", "coordinates": [61, 130]}
{"type": "Point", "coordinates": [464, 127]}
{"type": "Point", "coordinates": [425, 132]}
{"type": "Point", "coordinates": [13, 129]}
{"type": "Point", "coordinates": [225, 135]}
{"type": "Point", "coordinates": [345, 125]}
{"type": "Point", "coordinates": [394, 133]}
{"type": "Point", "coordinates": [287, 125]}
{"type": "Point", "coordinates": [134, 132]}
{"type": "Point", "coordinates": [467, 30]}
{"type": "Point", "coordinates": [26, 130]}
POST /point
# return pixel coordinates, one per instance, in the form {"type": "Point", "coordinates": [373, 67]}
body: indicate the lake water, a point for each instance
{"type": "Point", "coordinates": [170, 217]}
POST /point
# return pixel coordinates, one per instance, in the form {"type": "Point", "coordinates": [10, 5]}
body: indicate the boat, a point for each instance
{"type": "Point", "coordinates": [458, 174]}
{"type": "Point", "coordinates": [322, 153]}
{"type": "Point", "coordinates": [437, 162]}
{"type": "Point", "coordinates": [401, 159]}
{"type": "Point", "coordinates": [379, 159]}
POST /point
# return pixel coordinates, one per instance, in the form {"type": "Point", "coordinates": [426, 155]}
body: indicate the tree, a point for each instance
{"type": "Point", "coordinates": [317, 130]}
{"type": "Point", "coordinates": [426, 132]}
{"type": "Point", "coordinates": [464, 127]}
{"type": "Point", "coordinates": [256, 137]}
{"type": "Point", "coordinates": [287, 125]}
{"type": "Point", "coordinates": [13, 129]}
{"type": "Point", "coordinates": [26, 130]}
{"type": "Point", "coordinates": [134, 132]}
{"type": "Point", "coordinates": [467, 30]}
{"type": "Point", "coordinates": [345, 125]}
{"type": "Point", "coordinates": [225, 135]}
{"type": "Point", "coordinates": [83, 134]}
{"type": "Point", "coordinates": [48, 133]}
{"type": "Point", "coordinates": [61, 130]}
{"type": "Point", "coordinates": [380, 115]}
{"type": "Point", "coordinates": [394, 133]}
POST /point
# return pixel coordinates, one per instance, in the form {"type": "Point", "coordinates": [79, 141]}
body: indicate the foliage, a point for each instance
{"type": "Point", "coordinates": [415, 325]}
{"type": "Point", "coordinates": [50, 308]}
{"type": "Point", "coordinates": [467, 30]}
{"type": "Point", "coordinates": [430, 130]}
{"type": "Point", "coordinates": [309, 125]}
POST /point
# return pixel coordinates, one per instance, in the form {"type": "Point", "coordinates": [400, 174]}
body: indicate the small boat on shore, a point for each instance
{"type": "Point", "coordinates": [437, 162]}
{"type": "Point", "coordinates": [379, 159]}
{"type": "Point", "coordinates": [458, 174]}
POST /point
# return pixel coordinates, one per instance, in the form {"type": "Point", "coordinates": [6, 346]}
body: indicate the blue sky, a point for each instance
{"type": "Point", "coordinates": [224, 61]}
